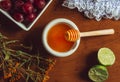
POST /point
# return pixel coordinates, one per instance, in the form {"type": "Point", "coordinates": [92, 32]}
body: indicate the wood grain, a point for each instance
{"type": "Point", "coordinates": [75, 67]}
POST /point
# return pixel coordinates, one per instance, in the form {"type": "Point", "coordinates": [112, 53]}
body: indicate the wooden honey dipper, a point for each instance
{"type": "Point", "coordinates": [73, 34]}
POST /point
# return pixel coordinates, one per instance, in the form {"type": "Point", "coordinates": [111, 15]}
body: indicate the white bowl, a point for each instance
{"type": "Point", "coordinates": [45, 33]}
{"type": "Point", "coordinates": [21, 25]}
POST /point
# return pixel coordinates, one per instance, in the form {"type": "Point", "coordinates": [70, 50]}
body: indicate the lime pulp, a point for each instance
{"type": "Point", "coordinates": [106, 56]}
{"type": "Point", "coordinates": [98, 73]}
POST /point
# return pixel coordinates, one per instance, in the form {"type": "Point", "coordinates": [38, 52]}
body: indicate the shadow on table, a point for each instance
{"type": "Point", "coordinates": [34, 39]}
{"type": "Point", "coordinates": [7, 25]}
{"type": "Point", "coordinates": [91, 60]}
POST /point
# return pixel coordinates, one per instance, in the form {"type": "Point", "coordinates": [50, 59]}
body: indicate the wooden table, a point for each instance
{"type": "Point", "coordinates": [75, 67]}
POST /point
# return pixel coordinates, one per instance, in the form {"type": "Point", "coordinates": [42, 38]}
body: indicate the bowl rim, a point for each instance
{"type": "Point", "coordinates": [44, 37]}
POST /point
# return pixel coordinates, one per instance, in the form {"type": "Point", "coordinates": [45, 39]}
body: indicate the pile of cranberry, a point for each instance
{"type": "Point", "coordinates": [23, 10]}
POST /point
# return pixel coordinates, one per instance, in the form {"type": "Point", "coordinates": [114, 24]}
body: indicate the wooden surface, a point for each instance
{"type": "Point", "coordinates": [75, 67]}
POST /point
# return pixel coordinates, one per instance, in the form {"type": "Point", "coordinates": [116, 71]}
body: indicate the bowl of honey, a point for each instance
{"type": "Point", "coordinates": [54, 38]}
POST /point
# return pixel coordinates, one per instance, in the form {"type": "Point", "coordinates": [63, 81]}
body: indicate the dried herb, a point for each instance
{"type": "Point", "coordinates": [16, 64]}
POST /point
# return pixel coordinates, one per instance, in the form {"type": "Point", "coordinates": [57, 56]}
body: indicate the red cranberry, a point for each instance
{"type": "Point", "coordinates": [27, 8]}
{"type": "Point", "coordinates": [31, 17]}
{"type": "Point", "coordinates": [32, 1]}
{"type": "Point", "coordinates": [40, 4]}
{"type": "Point", "coordinates": [18, 17]}
{"type": "Point", "coordinates": [18, 4]}
{"type": "Point", "coordinates": [5, 5]}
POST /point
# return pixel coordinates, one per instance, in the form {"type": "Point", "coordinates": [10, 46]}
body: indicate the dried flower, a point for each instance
{"type": "Point", "coordinates": [17, 64]}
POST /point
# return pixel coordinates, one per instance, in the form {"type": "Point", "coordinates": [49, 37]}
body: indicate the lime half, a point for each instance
{"type": "Point", "coordinates": [106, 56]}
{"type": "Point", "coordinates": [98, 73]}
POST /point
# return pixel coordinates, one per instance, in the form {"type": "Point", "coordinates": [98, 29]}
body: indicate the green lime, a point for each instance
{"type": "Point", "coordinates": [98, 73]}
{"type": "Point", "coordinates": [106, 56]}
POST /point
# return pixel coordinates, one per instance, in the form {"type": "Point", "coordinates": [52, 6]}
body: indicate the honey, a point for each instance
{"type": "Point", "coordinates": [56, 38]}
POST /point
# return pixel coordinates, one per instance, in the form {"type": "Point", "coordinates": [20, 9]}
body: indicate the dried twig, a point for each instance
{"type": "Point", "coordinates": [17, 64]}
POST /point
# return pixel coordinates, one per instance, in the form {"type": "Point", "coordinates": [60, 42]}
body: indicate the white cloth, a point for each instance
{"type": "Point", "coordinates": [97, 9]}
